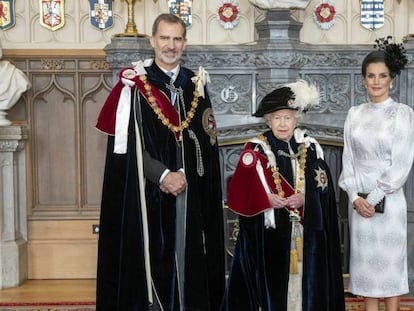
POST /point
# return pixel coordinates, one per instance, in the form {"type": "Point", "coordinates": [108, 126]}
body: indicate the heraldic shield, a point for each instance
{"type": "Point", "coordinates": [101, 14]}
{"type": "Point", "coordinates": [181, 8]}
{"type": "Point", "coordinates": [6, 14]}
{"type": "Point", "coordinates": [372, 14]}
{"type": "Point", "coordinates": [52, 14]}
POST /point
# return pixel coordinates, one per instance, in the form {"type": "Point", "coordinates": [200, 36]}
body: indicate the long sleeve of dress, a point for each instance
{"type": "Point", "coordinates": [395, 176]}
{"type": "Point", "coordinates": [347, 178]}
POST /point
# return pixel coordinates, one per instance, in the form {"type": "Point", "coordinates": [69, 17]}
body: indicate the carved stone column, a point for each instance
{"type": "Point", "coordinates": [278, 28]}
{"type": "Point", "coordinates": [13, 216]}
{"type": "Point", "coordinates": [279, 42]}
{"type": "Point", "coordinates": [123, 51]}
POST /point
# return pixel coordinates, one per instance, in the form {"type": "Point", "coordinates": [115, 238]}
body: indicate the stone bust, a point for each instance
{"type": "Point", "coordinates": [13, 84]}
{"type": "Point", "coordinates": [280, 4]}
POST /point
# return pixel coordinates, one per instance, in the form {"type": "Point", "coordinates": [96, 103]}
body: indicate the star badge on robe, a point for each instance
{"type": "Point", "coordinates": [321, 178]}
{"type": "Point", "coordinates": [209, 125]}
{"type": "Point", "coordinates": [6, 14]}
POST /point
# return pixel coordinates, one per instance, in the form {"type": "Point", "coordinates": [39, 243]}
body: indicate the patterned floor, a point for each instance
{"type": "Point", "coordinates": [357, 304]}
{"type": "Point", "coordinates": [352, 304]}
{"type": "Point", "coordinates": [63, 306]}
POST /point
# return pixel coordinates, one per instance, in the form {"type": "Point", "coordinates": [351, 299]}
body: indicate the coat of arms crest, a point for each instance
{"type": "Point", "coordinates": [6, 14]}
{"type": "Point", "coordinates": [101, 14]}
{"type": "Point", "coordinates": [372, 14]}
{"type": "Point", "coordinates": [52, 14]}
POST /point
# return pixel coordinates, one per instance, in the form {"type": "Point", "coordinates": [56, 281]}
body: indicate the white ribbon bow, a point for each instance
{"type": "Point", "coordinates": [140, 65]}
{"type": "Point", "coordinates": [300, 137]}
{"type": "Point", "coordinates": [201, 79]}
{"type": "Point", "coordinates": [122, 117]}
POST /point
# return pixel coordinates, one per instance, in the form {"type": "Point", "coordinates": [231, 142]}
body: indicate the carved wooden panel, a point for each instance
{"type": "Point", "coordinates": [67, 153]}
{"type": "Point", "coordinates": [65, 161]}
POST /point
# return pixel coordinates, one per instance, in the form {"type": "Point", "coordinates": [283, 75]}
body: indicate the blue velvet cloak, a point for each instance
{"type": "Point", "coordinates": [121, 279]}
{"type": "Point", "coordinates": [259, 273]}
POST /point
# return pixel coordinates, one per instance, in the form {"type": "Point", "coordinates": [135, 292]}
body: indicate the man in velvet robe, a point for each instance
{"type": "Point", "coordinates": [281, 176]}
{"type": "Point", "coordinates": [161, 240]}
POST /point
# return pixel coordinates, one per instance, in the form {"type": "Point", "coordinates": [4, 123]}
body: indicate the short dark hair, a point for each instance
{"type": "Point", "coordinates": [372, 58]}
{"type": "Point", "coordinates": [171, 19]}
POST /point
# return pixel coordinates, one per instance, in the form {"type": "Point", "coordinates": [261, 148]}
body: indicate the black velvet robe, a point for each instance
{"type": "Point", "coordinates": [121, 279]}
{"type": "Point", "coordinates": [259, 273]}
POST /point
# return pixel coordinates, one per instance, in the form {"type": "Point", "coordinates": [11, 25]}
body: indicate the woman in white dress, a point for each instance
{"type": "Point", "coordinates": [378, 155]}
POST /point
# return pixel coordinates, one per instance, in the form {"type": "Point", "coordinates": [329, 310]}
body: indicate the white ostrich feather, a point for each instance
{"type": "Point", "coordinates": [306, 95]}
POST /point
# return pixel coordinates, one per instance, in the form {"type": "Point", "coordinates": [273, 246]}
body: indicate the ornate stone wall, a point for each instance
{"type": "Point", "coordinates": [206, 29]}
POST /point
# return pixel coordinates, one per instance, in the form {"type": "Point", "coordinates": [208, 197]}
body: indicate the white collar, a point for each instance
{"type": "Point", "coordinates": [175, 71]}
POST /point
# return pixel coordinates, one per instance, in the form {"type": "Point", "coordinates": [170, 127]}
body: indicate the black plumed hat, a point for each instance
{"type": "Point", "coordinates": [296, 96]}
{"type": "Point", "coordinates": [276, 100]}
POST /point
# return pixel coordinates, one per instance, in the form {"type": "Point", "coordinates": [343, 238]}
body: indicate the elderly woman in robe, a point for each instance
{"type": "Point", "coordinates": [287, 254]}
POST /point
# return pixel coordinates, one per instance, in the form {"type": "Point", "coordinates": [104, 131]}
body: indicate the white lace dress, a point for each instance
{"type": "Point", "coordinates": [378, 155]}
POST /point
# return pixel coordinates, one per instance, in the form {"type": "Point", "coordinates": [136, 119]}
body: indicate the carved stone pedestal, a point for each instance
{"type": "Point", "coordinates": [278, 28]}
{"type": "Point", "coordinates": [13, 220]}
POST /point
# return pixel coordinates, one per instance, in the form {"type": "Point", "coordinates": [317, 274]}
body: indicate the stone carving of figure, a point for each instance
{"type": "Point", "coordinates": [13, 84]}
{"type": "Point", "coordinates": [280, 4]}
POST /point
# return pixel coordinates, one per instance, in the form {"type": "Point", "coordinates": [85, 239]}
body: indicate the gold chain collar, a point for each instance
{"type": "Point", "coordinates": [190, 114]}
{"type": "Point", "coordinates": [300, 180]}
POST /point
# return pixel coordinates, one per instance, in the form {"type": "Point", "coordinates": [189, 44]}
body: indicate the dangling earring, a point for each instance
{"type": "Point", "coordinates": [391, 86]}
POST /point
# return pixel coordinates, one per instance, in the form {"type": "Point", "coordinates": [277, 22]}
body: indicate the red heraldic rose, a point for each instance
{"type": "Point", "coordinates": [324, 15]}
{"type": "Point", "coordinates": [228, 14]}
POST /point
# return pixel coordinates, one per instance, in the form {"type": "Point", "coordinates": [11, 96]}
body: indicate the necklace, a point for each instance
{"type": "Point", "coordinates": [189, 115]}
{"type": "Point", "coordinates": [300, 177]}
{"type": "Point", "coordinates": [288, 155]}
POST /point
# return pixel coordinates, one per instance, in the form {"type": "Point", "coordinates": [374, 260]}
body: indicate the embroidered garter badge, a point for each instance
{"type": "Point", "coordinates": [248, 158]}
{"type": "Point", "coordinates": [129, 74]}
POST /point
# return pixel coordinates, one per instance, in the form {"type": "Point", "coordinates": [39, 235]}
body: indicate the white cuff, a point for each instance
{"type": "Point", "coordinates": [165, 173]}
{"type": "Point", "coordinates": [375, 196]}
